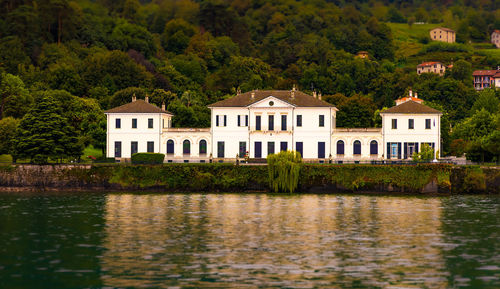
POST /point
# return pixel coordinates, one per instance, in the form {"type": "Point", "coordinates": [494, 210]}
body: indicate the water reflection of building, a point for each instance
{"type": "Point", "coordinates": [263, 240]}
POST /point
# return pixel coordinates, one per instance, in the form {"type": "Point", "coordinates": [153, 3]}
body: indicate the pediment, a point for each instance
{"type": "Point", "coordinates": [271, 102]}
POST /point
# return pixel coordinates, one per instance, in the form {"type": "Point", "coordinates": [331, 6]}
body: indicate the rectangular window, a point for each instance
{"type": "Point", "coordinates": [270, 147]}
{"type": "Point", "coordinates": [134, 123]}
{"type": "Point", "coordinates": [283, 146]}
{"type": "Point", "coordinates": [298, 148]}
{"type": "Point", "coordinates": [225, 120]}
{"type": "Point", "coordinates": [411, 124]}
{"type": "Point", "coordinates": [151, 146]}
{"type": "Point", "coordinates": [243, 149]}
{"type": "Point", "coordinates": [394, 123]}
{"type": "Point", "coordinates": [118, 149]}
{"type": "Point", "coordinates": [321, 150]}
{"type": "Point", "coordinates": [283, 122]}
{"type": "Point", "coordinates": [239, 122]}
{"type": "Point", "coordinates": [150, 123]}
{"type": "Point", "coordinates": [270, 125]}
{"type": "Point", "coordinates": [299, 120]}
{"type": "Point", "coordinates": [220, 149]}
{"type": "Point", "coordinates": [258, 149]}
{"type": "Point", "coordinates": [321, 120]}
{"type": "Point", "coordinates": [118, 123]}
{"type": "Point", "coordinates": [428, 123]}
{"type": "Point", "coordinates": [246, 120]}
{"type": "Point", "coordinates": [257, 122]}
{"type": "Point", "coordinates": [133, 147]}
{"type": "Point", "coordinates": [217, 120]}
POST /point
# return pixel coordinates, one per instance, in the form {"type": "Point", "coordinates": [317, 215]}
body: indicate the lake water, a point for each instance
{"type": "Point", "coordinates": [248, 241]}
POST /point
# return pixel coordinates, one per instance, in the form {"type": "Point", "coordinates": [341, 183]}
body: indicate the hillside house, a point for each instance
{"type": "Point", "coordinates": [431, 67]}
{"type": "Point", "coordinates": [443, 34]}
{"type": "Point", "coordinates": [495, 38]}
{"type": "Point", "coordinates": [486, 79]}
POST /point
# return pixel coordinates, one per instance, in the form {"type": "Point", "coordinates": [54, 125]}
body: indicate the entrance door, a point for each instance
{"type": "Point", "coordinates": [258, 149]}
{"type": "Point", "coordinates": [394, 150]}
{"type": "Point", "coordinates": [299, 147]}
{"type": "Point", "coordinates": [270, 147]}
{"type": "Point", "coordinates": [321, 150]}
{"type": "Point", "coordinates": [220, 149]}
{"type": "Point", "coordinates": [411, 149]}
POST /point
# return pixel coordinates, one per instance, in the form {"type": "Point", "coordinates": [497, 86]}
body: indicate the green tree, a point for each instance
{"type": "Point", "coordinates": [44, 133]}
{"type": "Point", "coordinates": [8, 128]}
{"type": "Point", "coordinates": [128, 36]}
{"type": "Point", "coordinates": [462, 70]}
{"type": "Point", "coordinates": [354, 111]}
{"type": "Point", "coordinates": [425, 154]}
{"type": "Point", "coordinates": [12, 54]}
{"type": "Point", "coordinates": [125, 96]}
{"type": "Point", "coordinates": [15, 98]}
{"type": "Point", "coordinates": [176, 35]}
{"type": "Point", "coordinates": [487, 100]}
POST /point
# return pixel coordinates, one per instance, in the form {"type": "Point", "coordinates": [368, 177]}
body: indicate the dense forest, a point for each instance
{"type": "Point", "coordinates": [63, 62]}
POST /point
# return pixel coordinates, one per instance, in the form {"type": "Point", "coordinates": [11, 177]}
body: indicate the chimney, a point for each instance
{"type": "Point", "coordinates": [238, 92]}
{"type": "Point", "coordinates": [411, 93]}
{"type": "Point", "coordinates": [147, 98]}
{"type": "Point", "coordinates": [134, 98]}
{"type": "Point", "coordinates": [163, 106]}
{"type": "Point", "coordinates": [292, 94]}
{"type": "Point", "coordinates": [416, 95]}
{"type": "Point", "coordinates": [253, 94]}
{"type": "Point", "coordinates": [319, 96]}
{"type": "Point", "coordinates": [314, 94]}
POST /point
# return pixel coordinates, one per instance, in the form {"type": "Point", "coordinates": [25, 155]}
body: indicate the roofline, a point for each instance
{"type": "Point", "coordinates": [411, 113]}
{"type": "Point", "coordinates": [106, 112]}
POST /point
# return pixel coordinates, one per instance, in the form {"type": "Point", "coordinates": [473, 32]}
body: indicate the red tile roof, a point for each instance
{"type": "Point", "coordinates": [496, 31]}
{"type": "Point", "coordinates": [138, 106]}
{"type": "Point", "coordinates": [412, 107]}
{"type": "Point", "coordinates": [424, 64]}
{"type": "Point", "coordinates": [484, 72]}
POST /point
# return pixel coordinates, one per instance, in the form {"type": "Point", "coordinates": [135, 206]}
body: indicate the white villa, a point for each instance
{"type": "Point", "coordinates": [261, 122]}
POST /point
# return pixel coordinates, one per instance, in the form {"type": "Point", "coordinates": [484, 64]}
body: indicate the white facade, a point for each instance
{"type": "Point", "coordinates": [269, 124]}
{"type": "Point", "coordinates": [401, 141]}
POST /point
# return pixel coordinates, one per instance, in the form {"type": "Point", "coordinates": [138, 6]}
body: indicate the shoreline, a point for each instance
{"type": "Point", "coordinates": [411, 180]}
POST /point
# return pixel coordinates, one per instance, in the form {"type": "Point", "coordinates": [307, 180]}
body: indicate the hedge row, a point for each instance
{"type": "Point", "coordinates": [229, 177]}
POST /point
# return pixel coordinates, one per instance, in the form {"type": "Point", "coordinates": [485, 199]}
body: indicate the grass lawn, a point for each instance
{"type": "Point", "coordinates": [91, 151]}
{"type": "Point", "coordinates": [5, 159]}
{"type": "Point", "coordinates": [403, 32]}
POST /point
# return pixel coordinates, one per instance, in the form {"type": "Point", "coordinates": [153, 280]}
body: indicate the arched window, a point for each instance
{"type": "Point", "coordinates": [170, 147]}
{"type": "Point", "coordinates": [357, 147]}
{"type": "Point", "coordinates": [374, 147]}
{"type": "Point", "coordinates": [186, 147]}
{"type": "Point", "coordinates": [340, 147]}
{"type": "Point", "coordinates": [203, 147]}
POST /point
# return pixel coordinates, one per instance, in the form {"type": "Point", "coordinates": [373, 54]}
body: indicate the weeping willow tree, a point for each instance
{"type": "Point", "coordinates": [284, 169]}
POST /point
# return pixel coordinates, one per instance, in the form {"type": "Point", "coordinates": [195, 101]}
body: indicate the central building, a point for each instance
{"type": "Point", "coordinates": [263, 122]}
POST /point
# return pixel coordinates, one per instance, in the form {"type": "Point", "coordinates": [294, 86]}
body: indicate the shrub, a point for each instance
{"type": "Point", "coordinates": [444, 47]}
{"type": "Point", "coordinates": [147, 158]}
{"type": "Point", "coordinates": [284, 170]}
{"type": "Point", "coordinates": [474, 180]}
{"type": "Point", "coordinates": [103, 159]}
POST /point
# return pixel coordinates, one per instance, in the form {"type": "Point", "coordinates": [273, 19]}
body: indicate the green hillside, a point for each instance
{"type": "Point", "coordinates": [71, 60]}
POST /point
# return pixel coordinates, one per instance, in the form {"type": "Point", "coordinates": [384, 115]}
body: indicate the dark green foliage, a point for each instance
{"type": "Point", "coordinates": [44, 133]}
{"type": "Point", "coordinates": [8, 127]}
{"type": "Point", "coordinates": [148, 158]}
{"type": "Point", "coordinates": [192, 53]}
